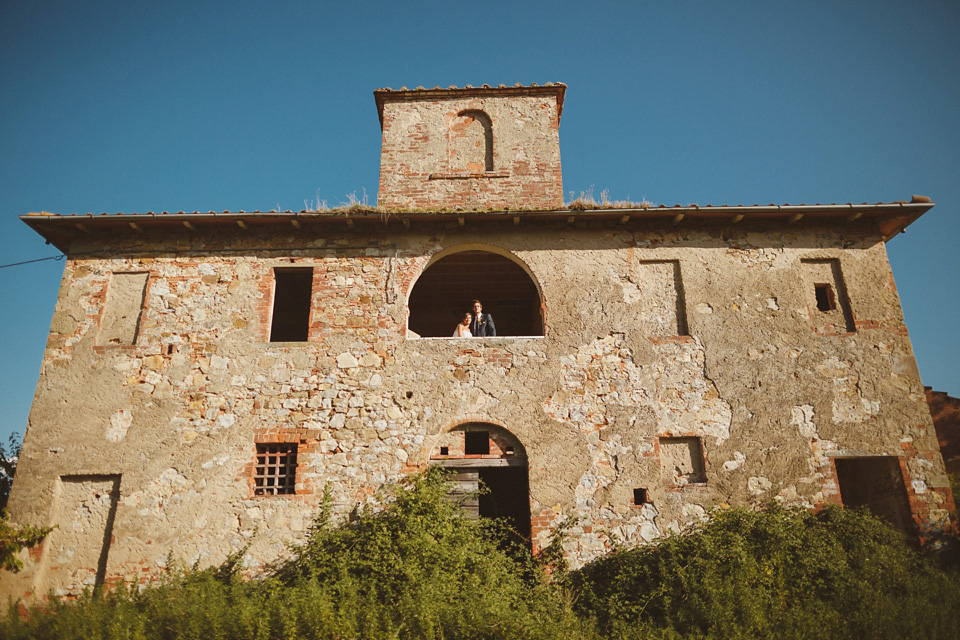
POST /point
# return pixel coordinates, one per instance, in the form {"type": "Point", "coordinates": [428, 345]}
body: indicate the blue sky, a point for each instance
{"type": "Point", "coordinates": [135, 107]}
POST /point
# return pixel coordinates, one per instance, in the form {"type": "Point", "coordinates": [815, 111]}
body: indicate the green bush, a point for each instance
{"type": "Point", "coordinates": [412, 569]}
{"type": "Point", "coordinates": [778, 573]}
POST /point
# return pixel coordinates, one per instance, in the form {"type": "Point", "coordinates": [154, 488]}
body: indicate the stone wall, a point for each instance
{"type": "Point", "coordinates": [485, 150]}
{"type": "Point", "coordinates": [660, 346]}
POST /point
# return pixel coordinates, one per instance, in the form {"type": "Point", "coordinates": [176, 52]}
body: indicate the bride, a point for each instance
{"type": "Point", "coordinates": [463, 329]}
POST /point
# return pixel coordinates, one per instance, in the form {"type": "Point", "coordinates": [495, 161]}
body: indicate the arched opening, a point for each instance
{"type": "Point", "coordinates": [479, 452]}
{"type": "Point", "coordinates": [448, 286]}
{"type": "Point", "coordinates": [471, 141]}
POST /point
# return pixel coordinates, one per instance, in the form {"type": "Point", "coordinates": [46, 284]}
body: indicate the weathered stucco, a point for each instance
{"type": "Point", "coordinates": [681, 367]}
{"type": "Point", "coordinates": [176, 415]}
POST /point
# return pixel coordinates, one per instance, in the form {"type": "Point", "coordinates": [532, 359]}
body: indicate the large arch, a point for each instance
{"type": "Point", "coordinates": [456, 276]}
{"type": "Point", "coordinates": [481, 452]}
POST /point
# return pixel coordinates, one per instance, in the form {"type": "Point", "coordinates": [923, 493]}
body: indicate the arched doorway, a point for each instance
{"type": "Point", "coordinates": [448, 286]}
{"type": "Point", "coordinates": [479, 452]}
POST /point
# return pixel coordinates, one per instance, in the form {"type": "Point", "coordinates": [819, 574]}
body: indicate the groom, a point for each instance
{"type": "Point", "coordinates": [482, 323]}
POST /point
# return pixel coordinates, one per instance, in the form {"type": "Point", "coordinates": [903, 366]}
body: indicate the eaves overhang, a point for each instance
{"type": "Point", "coordinates": [63, 230]}
{"type": "Point", "coordinates": [383, 96]}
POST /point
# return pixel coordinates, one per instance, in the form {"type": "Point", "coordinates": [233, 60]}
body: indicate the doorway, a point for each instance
{"type": "Point", "coordinates": [876, 483]}
{"type": "Point", "coordinates": [488, 455]}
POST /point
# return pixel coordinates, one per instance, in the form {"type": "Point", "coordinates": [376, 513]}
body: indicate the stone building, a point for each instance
{"type": "Point", "coordinates": [208, 374]}
{"type": "Point", "coordinates": [945, 411]}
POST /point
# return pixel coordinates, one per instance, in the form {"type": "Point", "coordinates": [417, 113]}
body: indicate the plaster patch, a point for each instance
{"type": "Point", "coordinates": [802, 418]}
{"type": "Point", "coordinates": [738, 459]}
{"type": "Point", "coordinates": [120, 422]}
{"type": "Point", "coordinates": [758, 485]}
{"type": "Point", "coordinates": [849, 405]}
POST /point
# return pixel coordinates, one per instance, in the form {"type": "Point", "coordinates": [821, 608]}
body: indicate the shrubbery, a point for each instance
{"type": "Point", "coordinates": [415, 569]}
{"type": "Point", "coordinates": [778, 573]}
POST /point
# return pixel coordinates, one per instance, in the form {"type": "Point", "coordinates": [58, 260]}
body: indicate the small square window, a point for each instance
{"type": "Point", "coordinates": [276, 472]}
{"type": "Point", "coordinates": [444, 451]}
{"type": "Point", "coordinates": [640, 497]}
{"type": "Point", "coordinates": [826, 301]}
{"type": "Point", "coordinates": [682, 460]}
{"type": "Point", "coordinates": [476, 442]}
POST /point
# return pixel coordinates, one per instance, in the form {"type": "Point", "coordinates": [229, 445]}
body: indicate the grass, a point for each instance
{"type": "Point", "coordinates": [585, 201]}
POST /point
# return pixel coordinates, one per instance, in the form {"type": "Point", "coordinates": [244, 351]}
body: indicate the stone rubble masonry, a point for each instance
{"type": "Point", "coordinates": [766, 394]}
{"type": "Point", "coordinates": [696, 366]}
{"type": "Point", "coordinates": [433, 143]}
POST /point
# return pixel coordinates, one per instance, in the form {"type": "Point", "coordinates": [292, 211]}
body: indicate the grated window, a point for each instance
{"type": "Point", "coordinates": [276, 469]}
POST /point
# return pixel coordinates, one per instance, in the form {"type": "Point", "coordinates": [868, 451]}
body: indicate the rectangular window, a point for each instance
{"type": "Point", "coordinates": [640, 497]}
{"type": "Point", "coordinates": [77, 549]}
{"type": "Point", "coordinates": [826, 301]}
{"type": "Point", "coordinates": [476, 443]}
{"type": "Point", "coordinates": [293, 289]}
{"type": "Point", "coordinates": [276, 472]}
{"type": "Point", "coordinates": [120, 323]}
{"type": "Point", "coordinates": [682, 460]}
{"type": "Point", "coordinates": [660, 294]}
{"type": "Point", "coordinates": [826, 295]}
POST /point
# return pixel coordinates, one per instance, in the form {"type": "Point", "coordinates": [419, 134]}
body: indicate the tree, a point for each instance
{"type": "Point", "coordinates": [13, 538]}
{"type": "Point", "coordinates": [8, 466]}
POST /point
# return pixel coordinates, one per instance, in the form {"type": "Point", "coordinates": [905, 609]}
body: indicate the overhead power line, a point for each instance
{"type": "Point", "coordinates": [17, 264]}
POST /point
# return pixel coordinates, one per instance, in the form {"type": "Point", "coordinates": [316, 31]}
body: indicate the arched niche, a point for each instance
{"type": "Point", "coordinates": [471, 141]}
{"type": "Point", "coordinates": [483, 453]}
{"type": "Point", "coordinates": [454, 278]}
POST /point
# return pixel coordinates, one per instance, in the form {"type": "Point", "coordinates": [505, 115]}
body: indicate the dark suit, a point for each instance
{"type": "Point", "coordinates": [482, 326]}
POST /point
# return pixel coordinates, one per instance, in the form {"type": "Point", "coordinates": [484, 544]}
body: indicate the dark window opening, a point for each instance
{"type": "Point", "coordinates": [476, 442]}
{"type": "Point", "coordinates": [507, 496]}
{"type": "Point", "coordinates": [830, 293]}
{"type": "Point", "coordinates": [640, 496]}
{"type": "Point", "coordinates": [276, 472]}
{"type": "Point", "coordinates": [509, 450]}
{"type": "Point", "coordinates": [291, 305]}
{"type": "Point", "coordinates": [877, 484]}
{"type": "Point", "coordinates": [446, 290]}
{"type": "Point", "coordinates": [825, 298]}
{"type": "Point", "coordinates": [444, 451]}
